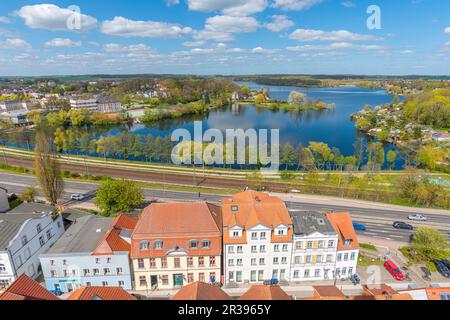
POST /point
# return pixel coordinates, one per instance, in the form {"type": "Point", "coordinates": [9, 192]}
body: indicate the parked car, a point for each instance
{"type": "Point", "coordinates": [355, 279]}
{"type": "Point", "coordinates": [442, 268]}
{"type": "Point", "coordinates": [402, 226]}
{"type": "Point", "coordinates": [417, 217]}
{"type": "Point", "coordinates": [392, 268]}
{"type": "Point", "coordinates": [77, 197]}
{"type": "Point", "coordinates": [447, 263]}
{"type": "Point", "coordinates": [359, 226]}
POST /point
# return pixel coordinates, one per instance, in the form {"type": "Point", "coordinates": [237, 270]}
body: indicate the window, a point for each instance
{"type": "Point", "coordinates": [344, 271]}
{"type": "Point", "coordinates": [234, 208]}
{"type": "Point", "coordinates": [106, 271]}
{"type": "Point", "coordinates": [236, 234]}
{"type": "Point", "coordinates": [330, 258]}
{"type": "Point", "coordinates": [64, 262]}
{"type": "Point", "coordinates": [88, 284]}
{"type": "Point", "coordinates": [254, 249]}
{"type": "Point", "coordinates": [121, 283]}
{"type": "Point", "coordinates": [53, 273]}
{"type": "Point", "coordinates": [262, 249]}
{"type": "Point", "coordinates": [283, 274]}
{"type": "Point", "coordinates": [119, 270]}
{"type": "Point", "coordinates": [193, 244]}
{"type": "Point", "coordinates": [41, 240]}
{"type": "Point", "coordinates": [254, 236]}
{"type": "Point", "coordinates": [86, 272]}
{"type": "Point", "coordinates": [308, 259]}
{"type": "Point", "coordinates": [212, 261]}
{"type": "Point", "coordinates": [276, 248]}
{"type": "Point", "coordinates": [283, 260]}
{"type": "Point", "coordinates": [309, 245]}
{"type": "Point", "coordinates": [285, 247]}
{"type": "Point", "coordinates": [142, 281]}
{"type": "Point", "coordinates": [298, 245]}
{"type": "Point", "coordinates": [49, 234]}
{"type": "Point", "coordinates": [74, 272]}
{"type": "Point", "coordinates": [104, 283]}
{"type": "Point", "coordinates": [263, 235]}
{"type": "Point", "coordinates": [190, 262]}
{"type": "Point", "coordinates": [320, 244]}
{"type": "Point", "coordinates": [39, 228]}
{"type": "Point", "coordinates": [230, 249]}
{"type": "Point", "coordinates": [353, 256]}
{"type": "Point", "coordinates": [65, 273]}
{"type": "Point", "coordinates": [108, 260]}
{"type": "Point", "coordinates": [190, 277]}
{"type": "Point", "coordinates": [261, 275]}
{"type": "Point", "coordinates": [240, 249]}
{"type": "Point", "coordinates": [346, 257]}
{"type": "Point", "coordinates": [275, 274]}
{"type": "Point", "coordinates": [307, 273]}
{"type": "Point", "coordinates": [275, 260]}
{"type": "Point", "coordinates": [97, 260]}
{"type": "Point", "coordinates": [177, 262]}
{"type": "Point", "coordinates": [339, 257]}
{"type": "Point", "coordinates": [52, 262]}
{"type": "Point", "coordinates": [144, 245]}
{"type": "Point", "coordinates": [350, 271]}
{"type": "Point", "coordinates": [165, 280]}
{"type": "Point", "coordinates": [164, 262]}
{"type": "Point", "coordinates": [206, 244]}
{"type": "Point", "coordinates": [96, 272]}
{"type": "Point", "coordinates": [317, 273]}
{"type": "Point", "coordinates": [280, 233]}
{"type": "Point", "coordinates": [158, 245]}
{"type": "Point", "coordinates": [141, 264]}
{"type": "Point", "coordinates": [253, 262]}
{"type": "Point", "coordinates": [24, 240]}
{"type": "Point", "coordinates": [331, 244]}
{"type": "Point", "coordinates": [296, 274]}
{"type": "Point", "coordinates": [297, 260]}
{"type": "Point", "coordinates": [231, 275]}
{"type": "Point", "coordinates": [348, 242]}
{"type": "Point", "coordinates": [230, 262]}
{"type": "Point", "coordinates": [239, 276]}
{"type": "Point", "coordinates": [262, 261]}
{"type": "Point", "coordinates": [2, 268]}
{"type": "Point", "coordinates": [253, 276]}
{"type": "Point", "coordinates": [201, 277]}
{"type": "Point", "coordinates": [239, 262]}
{"type": "Point", "coordinates": [152, 263]}
{"type": "Point", "coordinates": [319, 259]}
{"type": "Point", "coordinates": [201, 261]}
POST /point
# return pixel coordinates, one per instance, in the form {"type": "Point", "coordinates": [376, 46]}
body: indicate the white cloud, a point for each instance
{"type": "Point", "coordinates": [447, 30]}
{"type": "Point", "coordinates": [124, 27]}
{"type": "Point", "coordinates": [118, 48]}
{"type": "Point", "coordinates": [15, 44]}
{"type": "Point", "coordinates": [53, 18]}
{"type": "Point", "coordinates": [348, 4]}
{"type": "Point", "coordinates": [194, 43]}
{"type": "Point", "coordinates": [335, 46]}
{"type": "Point", "coordinates": [4, 20]}
{"type": "Point", "coordinates": [60, 42]}
{"type": "Point", "coordinates": [405, 52]}
{"type": "Point", "coordinates": [229, 7]}
{"type": "Point", "coordinates": [295, 5]}
{"type": "Point", "coordinates": [172, 2]}
{"type": "Point", "coordinates": [261, 50]}
{"type": "Point", "coordinates": [221, 28]}
{"type": "Point", "coordinates": [339, 35]}
{"type": "Point", "coordinates": [279, 23]}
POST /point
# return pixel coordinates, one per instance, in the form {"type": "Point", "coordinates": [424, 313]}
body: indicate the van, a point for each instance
{"type": "Point", "coordinates": [394, 270]}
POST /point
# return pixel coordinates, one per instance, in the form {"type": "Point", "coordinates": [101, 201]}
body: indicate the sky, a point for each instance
{"type": "Point", "coordinates": [229, 37]}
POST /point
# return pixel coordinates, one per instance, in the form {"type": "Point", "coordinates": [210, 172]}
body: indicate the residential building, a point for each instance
{"type": "Point", "coordinates": [26, 232]}
{"type": "Point", "coordinates": [327, 293]}
{"type": "Point", "coordinates": [348, 245]}
{"type": "Point", "coordinates": [84, 103]}
{"type": "Point", "coordinates": [314, 247]}
{"type": "Point", "coordinates": [94, 251]}
{"type": "Point", "coordinates": [175, 244]}
{"type": "Point", "coordinates": [262, 293]}
{"type": "Point", "coordinates": [8, 106]}
{"type": "Point", "coordinates": [25, 288]}
{"type": "Point", "coordinates": [202, 292]}
{"type": "Point", "coordinates": [16, 117]}
{"type": "Point", "coordinates": [101, 293]}
{"type": "Point", "coordinates": [4, 203]}
{"type": "Point", "coordinates": [257, 238]}
{"type": "Point", "coordinates": [107, 104]}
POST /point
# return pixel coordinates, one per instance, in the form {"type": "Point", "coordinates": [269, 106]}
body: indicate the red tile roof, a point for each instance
{"type": "Point", "coordinates": [261, 292]}
{"type": "Point", "coordinates": [101, 293]}
{"type": "Point", "coordinates": [328, 292]}
{"type": "Point", "coordinates": [124, 221]}
{"type": "Point", "coordinates": [201, 291]}
{"type": "Point", "coordinates": [25, 288]}
{"type": "Point", "coordinates": [342, 223]}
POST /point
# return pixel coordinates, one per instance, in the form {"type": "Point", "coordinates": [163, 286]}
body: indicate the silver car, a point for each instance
{"type": "Point", "coordinates": [77, 197]}
{"type": "Point", "coordinates": [417, 217]}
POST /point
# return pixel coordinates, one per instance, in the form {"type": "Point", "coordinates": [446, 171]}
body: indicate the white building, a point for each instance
{"type": "Point", "coordinates": [257, 239]}
{"type": "Point", "coordinates": [4, 203]}
{"type": "Point", "coordinates": [109, 105]}
{"type": "Point", "coordinates": [348, 245]}
{"type": "Point", "coordinates": [26, 232]}
{"type": "Point", "coordinates": [8, 106]}
{"type": "Point", "coordinates": [88, 104]}
{"type": "Point", "coordinates": [314, 248]}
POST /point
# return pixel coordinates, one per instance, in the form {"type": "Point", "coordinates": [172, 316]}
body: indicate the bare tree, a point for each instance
{"type": "Point", "coordinates": [48, 170]}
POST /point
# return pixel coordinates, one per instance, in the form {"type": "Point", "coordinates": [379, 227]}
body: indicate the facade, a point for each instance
{"type": "Point", "coordinates": [26, 232]}
{"type": "Point", "coordinates": [348, 245]}
{"type": "Point", "coordinates": [16, 117]}
{"type": "Point", "coordinates": [108, 105]}
{"type": "Point", "coordinates": [175, 244]}
{"type": "Point", "coordinates": [314, 249]}
{"type": "Point", "coordinates": [89, 104]}
{"type": "Point", "coordinates": [94, 251]}
{"type": "Point", "coordinates": [257, 239]}
{"type": "Point", "coordinates": [4, 203]}
{"type": "Point", "coordinates": [8, 106]}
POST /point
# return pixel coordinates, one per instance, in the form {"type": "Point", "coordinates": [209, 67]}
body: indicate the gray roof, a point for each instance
{"type": "Point", "coordinates": [83, 236]}
{"type": "Point", "coordinates": [32, 208]}
{"type": "Point", "coordinates": [73, 214]}
{"type": "Point", "coordinates": [309, 222]}
{"type": "Point", "coordinates": [10, 224]}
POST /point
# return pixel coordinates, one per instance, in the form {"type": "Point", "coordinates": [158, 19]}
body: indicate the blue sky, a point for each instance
{"type": "Point", "coordinates": [223, 37]}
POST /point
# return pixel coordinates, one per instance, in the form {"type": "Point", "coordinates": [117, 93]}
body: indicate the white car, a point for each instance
{"type": "Point", "coordinates": [417, 217]}
{"type": "Point", "coordinates": [77, 197]}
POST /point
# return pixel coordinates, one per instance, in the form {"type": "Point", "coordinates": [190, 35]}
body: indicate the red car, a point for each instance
{"type": "Point", "coordinates": [394, 270]}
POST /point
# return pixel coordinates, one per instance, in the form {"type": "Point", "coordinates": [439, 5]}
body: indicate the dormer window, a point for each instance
{"type": "Point", "coordinates": [348, 242]}
{"type": "Point", "coordinates": [193, 244]}
{"type": "Point", "coordinates": [158, 245]}
{"type": "Point", "coordinates": [234, 208]}
{"type": "Point", "coordinates": [145, 245]}
{"type": "Point", "coordinates": [206, 244]}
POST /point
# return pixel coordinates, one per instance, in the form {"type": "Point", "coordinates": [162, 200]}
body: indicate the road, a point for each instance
{"type": "Point", "coordinates": [377, 220]}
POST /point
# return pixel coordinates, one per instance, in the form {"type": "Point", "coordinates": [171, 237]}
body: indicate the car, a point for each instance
{"type": "Point", "coordinates": [446, 262]}
{"type": "Point", "coordinates": [355, 279]}
{"type": "Point", "coordinates": [359, 227]}
{"type": "Point", "coordinates": [77, 197]}
{"type": "Point", "coordinates": [402, 225]}
{"type": "Point", "coordinates": [442, 268]}
{"type": "Point", "coordinates": [392, 268]}
{"type": "Point", "coordinates": [417, 217]}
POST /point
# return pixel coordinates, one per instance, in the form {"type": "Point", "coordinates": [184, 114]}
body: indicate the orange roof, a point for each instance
{"type": "Point", "coordinates": [435, 293]}
{"type": "Point", "coordinates": [254, 208]}
{"type": "Point", "coordinates": [376, 290]}
{"type": "Point", "coordinates": [342, 223]}
{"type": "Point", "coordinates": [176, 224]}
{"type": "Point", "coordinates": [201, 291]}
{"type": "Point", "coordinates": [124, 221]}
{"type": "Point", "coordinates": [25, 288]}
{"type": "Point", "coordinates": [261, 292]}
{"type": "Point", "coordinates": [101, 293]}
{"type": "Point", "coordinates": [328, 292]}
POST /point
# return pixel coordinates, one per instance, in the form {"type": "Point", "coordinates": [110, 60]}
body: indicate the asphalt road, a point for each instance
{"type": "Point", "coordinates": [378, 221]}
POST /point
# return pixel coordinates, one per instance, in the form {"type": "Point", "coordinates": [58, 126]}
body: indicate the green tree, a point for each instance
{"type": "Point", "coordinates": [430, 156]}
{"type": "Point", "coordinates": [288, 156]}
{"type": "Point", "coordinates": [391, 157]}
{"type": "Point", "coordinates": [28, 195]}
{"type": "Point", "coordinates": [118, 196]}
{"type": "Point", "coordinates": [430, 243]}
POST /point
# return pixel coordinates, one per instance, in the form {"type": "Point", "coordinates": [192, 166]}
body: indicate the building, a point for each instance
{"type": "Point", "coordinates": [263, 293]}
{"type": "Point", "coordinates": [327, 293]}
{"type": "Point", "coordinates": [84, 103]}
{"type": "Point", "coordinates": [94, 251]}
{"type": "Point", "coordinates": [101, 293]}
{"type": "Point", "coordinates": [4, 203]}
{"type": "Point", "coordinates": [106, 104]}
{"type": "Point", "coordinates": [8, 106]}
{"type": "Point", "coordinates": [348, 245]}
{"type": "Point", "coordinates": [26, 232]}
{"type": "Point", "coordinates": [314, 247]}
{"type": "Point", "coordinates": [200, 291]}
{"type": "Point", "coordinates": [436, 293]}
{"type": "Point", "coordinates": [175, 244]}
{"type": "Point", "coordinates": [25, 288]}
{"type": "Point", "coordinates": [257, 239]}
{"type": "Point", "coordinates": [16, 117]}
